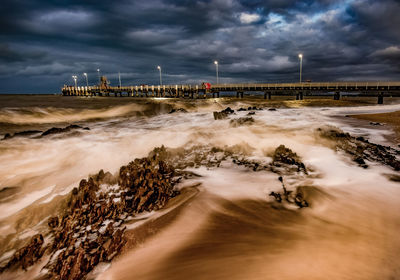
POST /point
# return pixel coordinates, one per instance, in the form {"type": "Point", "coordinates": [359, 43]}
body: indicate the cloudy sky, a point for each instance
{"type": "Point", "coordinates": [44, 43]}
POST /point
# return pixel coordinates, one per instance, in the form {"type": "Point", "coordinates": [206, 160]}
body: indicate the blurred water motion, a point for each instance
{"type": "Point", "coordinates": [231, 229]}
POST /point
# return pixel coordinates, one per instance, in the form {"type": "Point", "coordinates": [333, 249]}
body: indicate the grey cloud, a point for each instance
{"type": "Point", "coordinates": [253, 40]}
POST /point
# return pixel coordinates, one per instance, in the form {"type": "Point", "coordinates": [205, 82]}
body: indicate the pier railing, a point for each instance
{"type": "Point", "coordinates": [269, 89]}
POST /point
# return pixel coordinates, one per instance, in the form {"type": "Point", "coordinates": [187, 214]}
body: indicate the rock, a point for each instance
{"type": "Point", "coordinates": [286, 156]}
{"type": "Point", "coordinates": [179, 110]}
{"type": "Point", "coordinates": [53, 222]}
{"type": "Point", "coordinates": [27, 255]}
{"type": "Point", "coordinates": [228, 110]}
{"type": "Point", "coordinates": [56, 130]}
{"type": "Point", "coordinates": [277, 196]}
{"type": "Point", "coordinates": [375, 123]}
{"type": "Point", "coordinates": [223, 114]}
{"type": "Point", "coordinates": [298, 198]}
{"type": "Point", "coordinates": [242, 121]}
{"type": "Point", "coordinates": [251, 113]}
{"type": "Point", "coordinates": [242, 109]}
{"type": "Point", "coordinates": [21, 134]}
{"type": "Point", "coordinates": [361, 149]}
{"type": "Point", "coordinates": [271, 109]}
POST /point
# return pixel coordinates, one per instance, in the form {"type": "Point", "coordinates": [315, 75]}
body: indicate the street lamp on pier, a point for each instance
{"type": "Point", "coordinates": [75, 78]}
{"type": "Point", "coordinates": [87, 83]}
{"type": "Point", "coordinates": [216, 69]}
{"type": "Point", "coordinates": [301, 64]}
{"type": "Point", "coordinates": [98, 74]}
{"type": "Point", "coordinates": [159, 69]}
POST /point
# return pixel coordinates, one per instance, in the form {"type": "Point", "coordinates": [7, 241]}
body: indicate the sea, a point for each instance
{"type": "Point", "coordinates": [229, 227]}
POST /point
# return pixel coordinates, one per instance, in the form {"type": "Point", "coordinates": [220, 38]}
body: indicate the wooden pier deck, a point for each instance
{"type": "Point", "coordinates": [379, 89]}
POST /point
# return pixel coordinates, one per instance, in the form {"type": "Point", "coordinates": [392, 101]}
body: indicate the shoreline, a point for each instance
{"type": "Point", "coordinates": [391, 119]}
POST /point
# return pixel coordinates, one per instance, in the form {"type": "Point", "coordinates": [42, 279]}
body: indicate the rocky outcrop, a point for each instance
{"type": "Point", "coordinates": [285, 156]}
{"type": "Point", "coordinates": [56, 130]}
{"type": "Point", "coordinates": [242, 121]}
{"type": "Point", "coordinates": [27, 255]}
{"type": "Point", "coordinates": [21, 134]}
{"type": "Point", "coordinates": [39, 133]}
{"type": "Point", "coordinates": [223, 114]}
{"type": "Point", "coordinates": [360, 149]}
{"type": "Point", "coordinates": [91, 229]}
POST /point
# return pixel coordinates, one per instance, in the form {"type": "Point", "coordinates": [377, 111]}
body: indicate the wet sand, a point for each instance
{"type": "Point", "coordinates": [392, 119]}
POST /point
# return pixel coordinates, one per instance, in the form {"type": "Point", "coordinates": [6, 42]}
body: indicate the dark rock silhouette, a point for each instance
{"type": "Point", "coordinates": [223, 114]}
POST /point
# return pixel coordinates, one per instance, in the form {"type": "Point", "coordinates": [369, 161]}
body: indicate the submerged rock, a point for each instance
{"type": "Point", "coordinates": [21, 134]}
{"type": "Point", "coordinates": [56, 130]}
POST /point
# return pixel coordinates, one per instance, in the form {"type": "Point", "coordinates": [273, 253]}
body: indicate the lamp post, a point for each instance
{"type": "Point", "coordinates": [98, 74]}
{"type": "Point", "coordinates": [216, 69]}
{"type": "Point", "coordinates": [87, 83]}
{"type": "Point", "coordinates": [75, 78]}
{"type": "Point", "coordinates": [159, 69]}
{"type": "Point", "coordinates": [301, 64]}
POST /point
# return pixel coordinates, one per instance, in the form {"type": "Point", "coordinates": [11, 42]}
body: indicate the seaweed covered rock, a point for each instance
{"type": "Point", "coordinates": [285, 156]}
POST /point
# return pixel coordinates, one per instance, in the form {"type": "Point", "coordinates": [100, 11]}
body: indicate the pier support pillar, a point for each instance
{"type": "Point", "coordinates": [380, 98]}
{"type": "Point", "coordinates": [217, 94]}
{"type": "Point", "coordinates": [213, 94]}
{"type": "Point", "coordinates": [299, 96]}
{"type": "Point", "coordinates": [267, 94]}
{"type": "Point", "coordinates": [336, 95]}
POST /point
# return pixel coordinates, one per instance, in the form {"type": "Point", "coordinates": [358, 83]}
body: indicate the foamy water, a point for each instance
{"type": "Point", "coordinates": [228, 230]}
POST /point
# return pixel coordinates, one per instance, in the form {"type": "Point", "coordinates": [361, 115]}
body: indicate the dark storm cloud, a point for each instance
{"type": "Point", "coordinates": [44, 43]}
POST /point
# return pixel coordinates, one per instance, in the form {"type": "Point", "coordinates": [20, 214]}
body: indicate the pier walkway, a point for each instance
{"type": "Point", "coordinates": [379, 89]}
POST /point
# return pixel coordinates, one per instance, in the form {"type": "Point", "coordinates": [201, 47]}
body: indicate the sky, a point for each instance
{"type": "Point", "coordinates": [44, 43]}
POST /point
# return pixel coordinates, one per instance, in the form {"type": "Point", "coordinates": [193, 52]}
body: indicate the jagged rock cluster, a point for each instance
{"type": "Point", "coordinates": [242, 121]}
{"type": "Point", "coordinates": [91, 229]}
{"type": "Point", "coordinates": [39, 133]}
{"type": "Point", "coordinates": [286, 156]}
{"type": "Point", "coordinates": [223, 114]}
{"type": "Point", "coordinates": [27, 255]}
{"type": "Point", "coordinates": [254, 108]}
{"type": "Point", "coordinates": [360, 149]}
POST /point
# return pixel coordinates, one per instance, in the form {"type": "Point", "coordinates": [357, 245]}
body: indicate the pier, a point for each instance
{"type": "Point", "coordinates": [299, 90]}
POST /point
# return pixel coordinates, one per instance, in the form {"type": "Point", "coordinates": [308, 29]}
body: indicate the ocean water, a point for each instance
{"type": "Point", "coordinates": [230, 228]}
